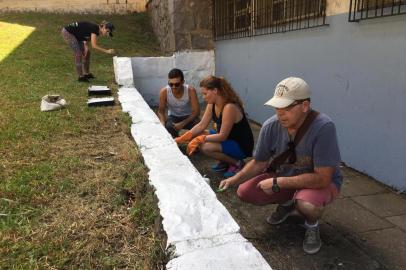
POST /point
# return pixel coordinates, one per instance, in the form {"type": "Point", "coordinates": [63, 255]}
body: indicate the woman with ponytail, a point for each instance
{"type": "Point", "coordinates": [77, 35]}
{"type": "Point", "coordinates": [232, 141]}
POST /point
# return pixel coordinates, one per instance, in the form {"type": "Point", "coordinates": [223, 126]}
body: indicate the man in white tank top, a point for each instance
{"type": "Point", "coordinates": [178, 104]}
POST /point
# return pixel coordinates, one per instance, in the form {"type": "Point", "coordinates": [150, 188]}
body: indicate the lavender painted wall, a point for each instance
{"type": "Point", "coordinates": [357, 72]}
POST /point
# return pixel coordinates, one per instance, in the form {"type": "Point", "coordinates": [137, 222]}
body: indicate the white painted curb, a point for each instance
{"type": "Point", "coordinates": [198, 226]}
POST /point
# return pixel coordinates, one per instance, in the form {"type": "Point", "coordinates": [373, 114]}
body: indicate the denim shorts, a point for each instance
{"type": "Point", "coordinates": [231, 148]}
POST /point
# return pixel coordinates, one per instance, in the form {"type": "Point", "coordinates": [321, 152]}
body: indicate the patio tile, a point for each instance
{"type": "Point", "coordinates": [386, 246]}
{"type": "Point", "coordinates": [399, 221]}
{"type": "Point", "coordinates": [346, 215]}
{"type": "Point", "coordinates": [360, 185]}
{"type": "Point", "coordinates": [383, 205]}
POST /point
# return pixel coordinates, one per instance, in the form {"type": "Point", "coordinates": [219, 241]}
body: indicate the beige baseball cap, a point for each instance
{"type": "Point", "coordinates": [288, 91]}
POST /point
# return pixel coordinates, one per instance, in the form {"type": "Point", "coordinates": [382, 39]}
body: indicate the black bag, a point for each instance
{"type": "Point", "coordinates": [290, 154]}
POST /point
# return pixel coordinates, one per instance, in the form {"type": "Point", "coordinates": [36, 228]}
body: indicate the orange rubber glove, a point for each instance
{"type": "Point", "coordinates": [184, 138]}
{"type": "Point", "coordinates": [192, 146]}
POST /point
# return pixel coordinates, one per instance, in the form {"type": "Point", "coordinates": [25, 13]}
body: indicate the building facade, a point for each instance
{"type": "Point", "coordinates": [352, 54]}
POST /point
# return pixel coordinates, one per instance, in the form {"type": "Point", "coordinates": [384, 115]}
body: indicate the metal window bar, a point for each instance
{"type": "Point", "coordinates": [245, 18]}
{"type": "Point", "coordinates": [369, 9]}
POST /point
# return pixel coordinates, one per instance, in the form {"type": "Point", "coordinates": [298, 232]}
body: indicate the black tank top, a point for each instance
{"type": "Point", "coordinates": [240, 132]}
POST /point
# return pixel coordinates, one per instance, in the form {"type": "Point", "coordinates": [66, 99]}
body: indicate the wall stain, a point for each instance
{"type": "Point", "coordinates": [343, 82]}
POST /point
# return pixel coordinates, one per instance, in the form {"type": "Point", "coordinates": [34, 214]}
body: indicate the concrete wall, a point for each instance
{"type": "Point", "coordinates": [151, 73]}
{"type": "Point", "coordinates": [80, 6]}
{"type": "Point", "coordinates": [182, 24]}
{"type": "Point", "coordinates": [357, 72]}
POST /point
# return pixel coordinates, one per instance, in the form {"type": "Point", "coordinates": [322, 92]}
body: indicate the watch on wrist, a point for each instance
{"type": "Point", "coordinates": [275, 187]}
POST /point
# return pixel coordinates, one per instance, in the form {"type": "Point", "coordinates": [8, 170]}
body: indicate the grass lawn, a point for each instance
{"type": "Point", "coordinates": [74, 192]}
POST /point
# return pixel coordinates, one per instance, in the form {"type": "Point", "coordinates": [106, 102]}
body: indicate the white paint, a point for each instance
{"type": "Point", "coordinates": [123, 71]}
{"type": "Point", "coordinates": [169, 155]}
{"type": "Point", "coordinates": [150, 135]}
{"type": "Point", "coordinates": [98, 88]}
{"type": "Point", "coordinates": [100, 100]}
{"type": "Point", "coordinates": [152, 67]}
{"type": "Point", "coordinates": [198, 226]}
{"type": "Point", "coordinates": [133, 103]}
{"type": "Point", "coordinates": [151, 73]}
{"type": "Point", "coordinates": [233, 256]}
{"type": "Point", "coordinates": [202, 243]}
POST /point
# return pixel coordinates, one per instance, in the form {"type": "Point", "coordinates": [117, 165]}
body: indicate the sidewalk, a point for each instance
{"type": "Point", "coordinates": [365, 228]}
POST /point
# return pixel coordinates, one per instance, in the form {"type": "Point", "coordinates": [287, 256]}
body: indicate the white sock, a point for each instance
{"type": "Point", "coordinates": [307, 225]}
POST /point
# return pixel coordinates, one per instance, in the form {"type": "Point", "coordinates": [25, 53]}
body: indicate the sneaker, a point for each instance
{"type": "Point", "coordinates": [312, 241]}
{"type": "Point", "coordinates": [220, 166]}
{"type": "Point", "coordinates": [89, 76]}
{"type": "Point", "coordinates": [233, 169]}
{"type": "Point", "coordinates": [83, 79]}
{"type": "Point", "coordinates": [281, 214]}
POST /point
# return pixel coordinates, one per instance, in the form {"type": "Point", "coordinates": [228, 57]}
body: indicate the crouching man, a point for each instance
{"type": "Point", "coordinates": [178, 104]}
{"type": "Point", "coordinates": [303, 175]}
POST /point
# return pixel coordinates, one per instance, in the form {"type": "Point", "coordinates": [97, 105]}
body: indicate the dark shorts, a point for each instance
{"type": "Point", "coordinates": [176, 119]}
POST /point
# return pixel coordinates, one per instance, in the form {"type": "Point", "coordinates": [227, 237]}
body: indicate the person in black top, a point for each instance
{"type": "Point", "coordinates": [233, 140]}
{"type": "Point", "coordinates": [77, 35]}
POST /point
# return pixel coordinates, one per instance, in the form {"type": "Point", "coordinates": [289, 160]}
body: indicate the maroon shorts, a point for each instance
{"type": "Point", "coordinates": [249, 192]}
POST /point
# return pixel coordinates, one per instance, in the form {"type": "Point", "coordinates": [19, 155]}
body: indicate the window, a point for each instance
{"type": "Point", "coordinates": [232, 17]}
{"type": "Point", "coordinates": [242, 18]}
{"type": "Point", "coordinates": [284, 11]}
{"type": "Point", "coordinates": [368, 9]}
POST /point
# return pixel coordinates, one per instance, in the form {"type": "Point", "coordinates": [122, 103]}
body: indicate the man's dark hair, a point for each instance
{"type": "Point", "coordinates": [175, 73]}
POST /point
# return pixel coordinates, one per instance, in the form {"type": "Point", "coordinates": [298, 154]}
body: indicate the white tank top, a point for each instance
{"type": "Point", "coordinates": [178, 106]}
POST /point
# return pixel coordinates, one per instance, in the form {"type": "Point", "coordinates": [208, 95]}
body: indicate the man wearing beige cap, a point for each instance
{"type": "Point", "coordinates": [304, 174]}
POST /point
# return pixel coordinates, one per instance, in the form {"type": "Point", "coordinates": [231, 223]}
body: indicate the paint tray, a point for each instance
{"type": "Point", "coordinates": [104, 101]}
{"type": "Point", "coordinates": [99, 90]}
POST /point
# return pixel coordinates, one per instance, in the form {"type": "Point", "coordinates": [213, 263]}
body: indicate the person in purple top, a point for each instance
{"type": "Point", "coordinates": [309, 179]}
{"type": "Point", "coordinates": [77, 35]}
